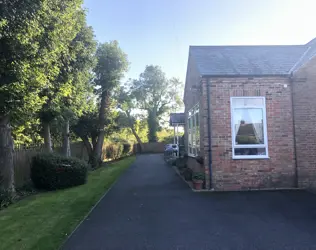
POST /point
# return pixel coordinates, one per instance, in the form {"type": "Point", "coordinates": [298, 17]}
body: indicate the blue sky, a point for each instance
{"type": "Point", "coordinates": [160, 32]}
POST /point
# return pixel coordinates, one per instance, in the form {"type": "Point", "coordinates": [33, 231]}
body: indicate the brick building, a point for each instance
{"type": "Point", "coordinates": [251, 114]}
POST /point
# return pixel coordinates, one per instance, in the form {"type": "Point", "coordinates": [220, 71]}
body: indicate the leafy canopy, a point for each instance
{"type": "Point", "coordinates": [156, 94]}
{"type": "Point", "coordinates": [111, 65]}
{"type": "Point", "coordinates": [33, 36]}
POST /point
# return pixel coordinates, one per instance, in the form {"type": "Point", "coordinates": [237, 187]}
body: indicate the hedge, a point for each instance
{"type": "Point", "coordinates": [115, 151]}
{"type": "Point", "coordinates": [52, 171]}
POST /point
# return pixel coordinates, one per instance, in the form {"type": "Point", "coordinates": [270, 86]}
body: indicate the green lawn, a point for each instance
{"type": "Point", "coordinates": [43, 221]}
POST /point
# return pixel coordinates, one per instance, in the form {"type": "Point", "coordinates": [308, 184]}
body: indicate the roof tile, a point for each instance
{"type": "Point", "coordinates": [247, 60]}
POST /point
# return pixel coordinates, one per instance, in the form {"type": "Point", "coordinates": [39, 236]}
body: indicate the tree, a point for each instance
{"type": "Point", "coordinates": [156, 95]}
{"type": "Point", "coordinates": [126, 103]}
{"type": "Point", "coordinates": [32, 37]}
{"type": "Point", "coordinates": [67, 94]}
{"type": "Point", "coordinates": [87, 128]}
{"type": "Point", "coordinates": [110, 68]}
{"type": "Point", "coordinates": [77, 74]}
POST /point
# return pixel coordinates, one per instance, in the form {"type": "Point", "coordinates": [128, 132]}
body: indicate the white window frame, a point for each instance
{"type": "Point", "coordinates": [192, 114]}
{"type": "Point", "coordinates": [265, 134]}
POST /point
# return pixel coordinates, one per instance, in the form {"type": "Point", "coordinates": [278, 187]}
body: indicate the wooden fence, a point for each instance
{"type": "Point", "coordinates": [23, 158]}
{"type": "Point", "coordinates": [150, 147]}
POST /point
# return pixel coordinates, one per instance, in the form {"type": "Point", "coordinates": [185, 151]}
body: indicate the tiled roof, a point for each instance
{"type": "Point", "coordinates": [250, 60]}
{"type": "Point", "coordinates": [177, 118]}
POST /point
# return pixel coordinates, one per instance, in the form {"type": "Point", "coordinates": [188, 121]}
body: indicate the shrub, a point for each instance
{"type": "Point", "coordinates": [52, 171]}
{"type": "Point", "coordinates": [6, 198]}
{"type": "Point", "coordinates": [109, 152]}
{"type": "Point", "coordinates": [198, 176]}
{"type": "Point", "coordinates": [126, 148]}
{"type": "Point", "coordinates": [119, 151]}
{"type": "Point", "coordinates": [114, 151]}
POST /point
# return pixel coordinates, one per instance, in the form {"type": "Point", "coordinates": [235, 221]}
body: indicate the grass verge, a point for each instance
{"type": "Point", "coordinates": [43, 221]}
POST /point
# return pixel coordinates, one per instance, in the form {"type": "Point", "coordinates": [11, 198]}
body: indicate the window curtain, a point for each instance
{"type": "Point", "coordinates": [256, 119]}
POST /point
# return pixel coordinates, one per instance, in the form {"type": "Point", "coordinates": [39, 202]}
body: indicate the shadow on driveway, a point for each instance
{"type": "Point", "coordinates": [150, 207]}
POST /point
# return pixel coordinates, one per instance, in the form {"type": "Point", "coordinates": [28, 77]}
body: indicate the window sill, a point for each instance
{"type": "Point", "coordinates": [251, 157]}
{"type": "Point", "coordinates": [192, 156]}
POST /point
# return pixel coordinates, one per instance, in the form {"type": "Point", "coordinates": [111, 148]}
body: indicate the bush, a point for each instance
{"type": "Point", "coordinates": [6, 198]}
{"type": "Point", "coordinates": [114, 151]}
{"type": "Point", "coordinates": [119, 152]}
{"type": "Point", "coordinates": [126, 148]}
{"type": "Point", "coordinates": [198, 176]}
{"type": "Point", "coordinates": [51, 171]}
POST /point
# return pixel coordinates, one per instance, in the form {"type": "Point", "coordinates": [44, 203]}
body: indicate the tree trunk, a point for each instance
{"type": "Point", "coordinates": [66, 140]}
{"type": "Point", "coordinates": [153, 125]}
{"type": "Point", "coordinates": [134, 132]}
{"type": "Point", "coordinates": [47, 137]}
{"type": "Point", "coordinates": [88, 146]}
{"type": "Point", "coordinates": [6, 156]}
{"type": "Point", "coordinates": [140, 143]}
{"type": "Point", "coordinates": [97, 150]}
{"type": "Point", "coordinates": [94, 139]}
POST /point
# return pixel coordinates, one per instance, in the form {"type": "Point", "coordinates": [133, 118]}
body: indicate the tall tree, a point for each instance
{"type": "Point", "coordinates": [76, 76]}
{"type": "Point", "coordinates": [32, 37]}
{"type": "Point", "coordinates": [157, 95]}
{"type": "Point", "coordinates": [65, 95]}
{"type": "Point", "coordinates": [126, 102]}
{"type": "Point", "coordinates": [110, 68]}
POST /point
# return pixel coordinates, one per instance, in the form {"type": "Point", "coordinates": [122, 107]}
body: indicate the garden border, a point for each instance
{"type": "Point", "coordinates": [246, 190]}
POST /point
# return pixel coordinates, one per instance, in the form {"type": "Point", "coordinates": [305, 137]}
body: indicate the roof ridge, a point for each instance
{"type": "Point", "coordinates": [294, 68]}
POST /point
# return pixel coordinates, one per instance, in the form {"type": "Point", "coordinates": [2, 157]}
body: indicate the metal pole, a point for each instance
{"type": "Point", "coordinates": [174, 135]}
{"type": "Point", "coordinates": [178, 134]}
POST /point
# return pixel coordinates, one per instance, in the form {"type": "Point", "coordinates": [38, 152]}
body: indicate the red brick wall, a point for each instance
{"type": "Point", "coordinates": [304, 99]}
{"type": "Point", "coordinates": [279, 169]}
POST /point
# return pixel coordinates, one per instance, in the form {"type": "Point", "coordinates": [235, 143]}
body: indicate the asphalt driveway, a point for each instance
{"type": "Point", "coordinates": [151, 208]}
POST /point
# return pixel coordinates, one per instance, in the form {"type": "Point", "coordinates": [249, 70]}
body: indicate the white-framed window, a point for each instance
{"type": "Point", "coordinates": [249, 127]}
{"type": "Point", "coordinates": [194, 131]}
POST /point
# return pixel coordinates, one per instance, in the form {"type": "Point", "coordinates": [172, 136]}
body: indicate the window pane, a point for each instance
{"type": "Point", "coordinates": [250, 151]}
{"type": "Point", "coordinates": [248, 124]}
{"type": "Point", "coordinates": [197, 137]}
{"type": "Point", "coordinates": [190, 122]}
{"type": "Point", "coordinates": [197, 122]}
{"type": "Point", "coordinates": [247, 102]}
{"type": "Point", "coordinates": [198, 151]}
{"type": "Point", "coordinates": [194, 151]}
